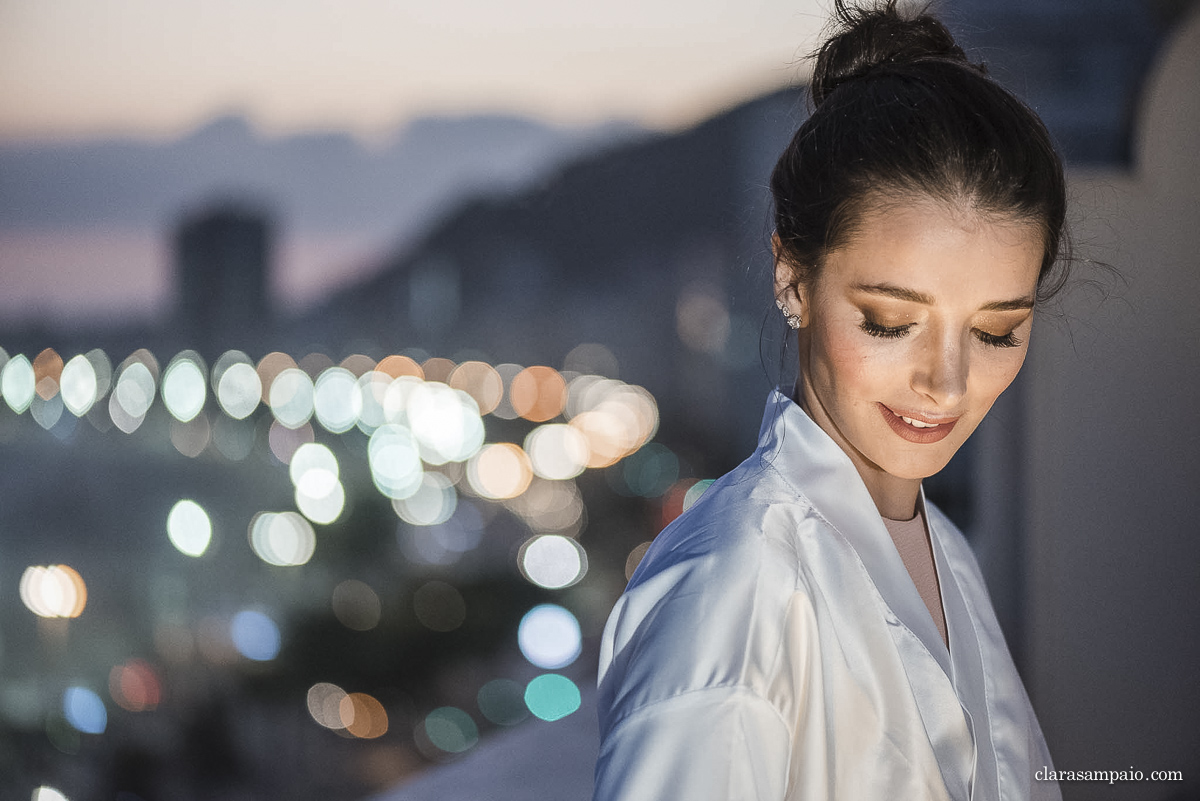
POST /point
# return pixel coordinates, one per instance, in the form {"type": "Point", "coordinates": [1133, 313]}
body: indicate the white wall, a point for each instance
{"type": "Point", "coordinates": [1113, 464]}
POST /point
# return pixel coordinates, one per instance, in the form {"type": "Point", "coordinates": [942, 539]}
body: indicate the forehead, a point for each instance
{"type": "Point", "coordinates": [939, 249]}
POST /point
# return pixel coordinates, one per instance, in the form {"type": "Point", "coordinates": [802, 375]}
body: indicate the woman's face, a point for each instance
{"type": "Point", "coordinates": [912, 330]}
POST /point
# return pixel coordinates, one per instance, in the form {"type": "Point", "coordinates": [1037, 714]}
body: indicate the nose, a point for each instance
{"type": "Point", "coordinates": [941, 369]}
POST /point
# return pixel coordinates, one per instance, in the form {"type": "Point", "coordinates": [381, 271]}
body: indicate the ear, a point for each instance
{"type": "Point", "coordinates": [788, 289]}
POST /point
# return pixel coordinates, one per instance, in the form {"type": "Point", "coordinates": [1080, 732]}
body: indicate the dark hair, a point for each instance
{"type": "Point", "coordinates": [899, 111]}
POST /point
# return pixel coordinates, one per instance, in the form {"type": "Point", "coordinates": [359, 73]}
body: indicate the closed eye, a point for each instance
{"type": "Point", "coordinates": [1008, 340]}
{"type": "Point", "coordinates": [884, 331]}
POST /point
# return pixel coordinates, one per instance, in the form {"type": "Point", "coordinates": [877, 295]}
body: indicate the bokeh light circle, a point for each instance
{"type": "Point", "coordinates": [255, 635]}
{"type": "Point", "coordinates": [451, 729]}
{"type": "Point", "coordinates": [284, 539]}
{"type": "Point", "coordinates": [79, 386]}
{"type": "Point", "coordinates": [549, 637]}
{"type": "Point", "coordinates": [363, 716]}
{"type": "Point", "coordinates": [324, 704]}
{"type": "Point", "coordinates": [356, 605]}
{"type": "Point", "coordinates": [239, 390]}
{"type": "Point", "coordinates": [433, 502]}
{"type": "Point", "coordinates": [538, 393]}
{"type": "Point", "coordinates": [84, 710]}
{"type": "Point", "coordinates": [337, 400]}
{"type": "Point", "coordinates": [18, 383]}
{"type": "Point", "coordinates": [48, 793]}
{"type": "Point", "coordinates": [499, 471]}
{"type": "Point", "coordinates": [291, 397]}
{"type": "Point", "coordinates": [557, 452]}
{"type": "Point", "coordinates": [53, 591]}
{"type": "Point", "coordinates": [184, 388]}
{"type": "Point", "coordinates": [395, 461]}
{"type": "Point", "coordinates": [189, 528]}
{"type": "Point", "coordinates": [552, 561]}
{"type": "Point", "coordinates": [502, 701]}
{"type": "Point", "coordinates": [552, 697]}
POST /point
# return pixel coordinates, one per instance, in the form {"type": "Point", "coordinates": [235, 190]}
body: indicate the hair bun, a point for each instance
{"type": "Point", "coordinates": [865, 39]}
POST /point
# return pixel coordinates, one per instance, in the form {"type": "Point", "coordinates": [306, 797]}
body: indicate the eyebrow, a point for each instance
{"type": "Point", "coordinates": [912, 296]}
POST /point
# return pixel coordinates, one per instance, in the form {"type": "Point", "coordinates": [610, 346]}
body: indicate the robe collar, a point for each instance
{"type": "Point", "coordinates": [821, 471]}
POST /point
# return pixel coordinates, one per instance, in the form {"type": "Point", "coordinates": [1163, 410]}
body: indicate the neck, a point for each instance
{"type": "Point", "coordinates": [895, 498]}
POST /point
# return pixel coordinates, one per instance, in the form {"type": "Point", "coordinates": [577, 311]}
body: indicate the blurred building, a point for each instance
{"type": "Point", "coordinates": [222, 257]}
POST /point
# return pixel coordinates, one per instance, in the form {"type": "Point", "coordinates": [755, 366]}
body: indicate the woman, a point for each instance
{"type": "Point", "coordinates": [812, 628]}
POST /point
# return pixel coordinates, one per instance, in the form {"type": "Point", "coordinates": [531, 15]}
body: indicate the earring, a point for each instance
{"type": "Point", "coordinates": [793, 320]}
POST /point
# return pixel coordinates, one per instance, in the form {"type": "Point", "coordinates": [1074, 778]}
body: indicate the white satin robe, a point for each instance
{"type": "Point", "coordinates": [771, 645]}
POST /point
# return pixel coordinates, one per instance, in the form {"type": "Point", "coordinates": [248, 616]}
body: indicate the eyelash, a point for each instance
{"type": "Point", "coordinates": [874, 329]}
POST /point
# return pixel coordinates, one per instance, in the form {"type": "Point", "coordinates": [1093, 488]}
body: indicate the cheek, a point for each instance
{"type": "Point", "coordinates": [994, 374]}
{"type": "Point", "coordinates": [852, 364]}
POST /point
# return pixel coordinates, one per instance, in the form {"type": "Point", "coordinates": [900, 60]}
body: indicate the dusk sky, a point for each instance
{"type": "Point", "coordinates": [78, 68]}
{"type": "Point", "coordinates": [81, 70]}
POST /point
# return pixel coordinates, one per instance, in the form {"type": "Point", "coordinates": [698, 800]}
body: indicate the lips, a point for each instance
{"type": "Point", "coordinates": [920, 429]}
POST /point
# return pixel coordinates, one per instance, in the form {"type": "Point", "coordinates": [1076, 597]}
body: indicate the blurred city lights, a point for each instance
{"type": "Point", "coordinates": [17, 383]}
{"type": "Point", "coordinates": [356, 605]}
{"type": "Point", "coordinates": [189, 528]}
{"type": "Point", "coordinates": [397, 366]}
{"type": "Point", "coordinates": [481, 381]}
{"type": "Point", "coordinates": [363, 716]}
{"type": "Point", "coordinates": [184, 386]}
{"type": "Point", "coordinates": [324, 704]}
{"type": "Point", "coordinates": [191, 438]}
{"type": "Point", "coordinates": [433, 502]}
{"type": "Point", "coordinates": [269, 367]}
{"type": "Point", "coordinates": [507, 372]}
{"type": "Point", "coordinates": [133, 395]}
{"type": "Point", "coordinates": [445, 422]}
{"type": "Point", "coordinates": [284, 441]}
{"type": "Point", "coordinates": [291, 397]}
{"type": "Point", "coordinates": [438, 369]}
{"type": "Point", "coordinates": [337, 400]}
{"type": "Point", "coordinates": [439, 606]}
{"type": "Point", "coordinates": [47, 793]}
{"type": "Point", "coordinates": [549, 637]}
{"type": "Point", "coordinates": [79, 386]}
{"type": "Point", "coordinates": [451, 729]}
{"type": "Point", "coordinates": [284, 539]}
{"type": "Point", "coordinates": [53, 591]}
{"type": "Point", "coordinates": [552, 697]}
{"type": "Point", "coordinates": [502, 701]}
{"type": "Point", "coordinates": [84, 710]}
{"type": "Point", "coordinates": [102, 365]}
{"type": "Point", "coordinates": [444, 543]}
{"type": "Point", "coordinates": [557, 451]}
{"type": "Point", "coordinates": [46, 411]}
{"type": "Point", "coordinates": [538, 394]}
{"type": "Point", "coordinates": [47, 370]}
{"type": "Point", "coordinates": [239, 388]}
{"type": "Point", "coordinates": [135, 686]}
{"type": "Point", "coordinates": [501, 470]}
{"type": "Point", "coordinates": [314, 472]}
{"type": "Point", "coordinates": [255, 635]}
{"type": "Point", "coordinates": [593, 358]}
{"type": "Point", "coordinates": [550, 507]}
{"type": "Point", "coordinates": [552, 561]}
{"type": "Point", "coordinates": [650, 471]}
{"type": "Point", "coordinates": [372, 392]}
{"type": "Point", "coordinates": [395, 461]}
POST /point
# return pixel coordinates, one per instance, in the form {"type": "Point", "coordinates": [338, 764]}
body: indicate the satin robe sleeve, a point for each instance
{"type": "Point", "coordinates": [709, 660]}
{"type": "Point", "coordinates": [715, 743]}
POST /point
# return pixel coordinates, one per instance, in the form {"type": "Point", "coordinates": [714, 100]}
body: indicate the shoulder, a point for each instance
{"type": "Point", "coordinates": [711, 604]}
